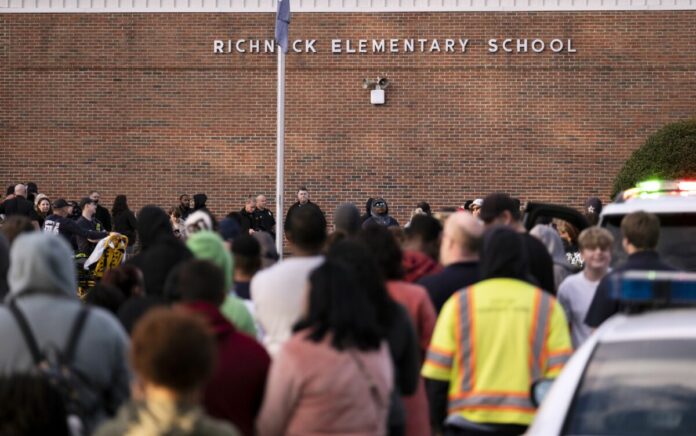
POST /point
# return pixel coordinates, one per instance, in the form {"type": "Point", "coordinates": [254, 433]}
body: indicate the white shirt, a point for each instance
{"type": "Point", "coordinates": [279, 296]}
{"type": "Point", "coordinates": [575, 295]}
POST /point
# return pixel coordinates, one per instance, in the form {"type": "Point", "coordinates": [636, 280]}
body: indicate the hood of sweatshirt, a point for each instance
{"type": "Point", "coordinates": [503, 255]}
{"type": "Point", "coordinates": [208, 245]}
{"type": "Point", "coordinates": [199, 201]}
{"type": "Point", "coordinates": [153, 225]}
{"type": "Point", "coordinates": [41, 264]}
{"type": "Point", "coordinates": [553, 243]}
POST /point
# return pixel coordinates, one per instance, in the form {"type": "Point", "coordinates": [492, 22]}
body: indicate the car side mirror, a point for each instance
{"type": "Point", "coordinates": [539, 390]}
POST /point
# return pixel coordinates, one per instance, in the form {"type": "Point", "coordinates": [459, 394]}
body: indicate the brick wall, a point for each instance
{"type": "Point", "coordinates": [139, 104]}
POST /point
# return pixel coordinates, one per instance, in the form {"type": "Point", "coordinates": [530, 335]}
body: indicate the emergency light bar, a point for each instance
{"type": "Point", "coordinates": [660, 188]}
{"type": "Point", "coordinates": [654, 287]}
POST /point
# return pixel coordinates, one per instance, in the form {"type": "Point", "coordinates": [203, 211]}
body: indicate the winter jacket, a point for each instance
{"type": "Point", "coordinates": [43, 286]}
{"type": "Point", "coordinates": [160, 418]}
{"type": "Point", "coordinates": [160, 250]}
{"type": "Point", "coordinates": [235, 392]}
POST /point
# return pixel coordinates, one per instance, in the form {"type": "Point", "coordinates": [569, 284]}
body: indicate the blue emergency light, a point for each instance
{"type": "Point", "coordinates": [654, 287]}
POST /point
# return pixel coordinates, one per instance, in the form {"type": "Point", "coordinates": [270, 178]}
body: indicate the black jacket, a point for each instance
{"type": "Point", "coordinates": [294, 208]}
{"type": "Point", "coordinates": [104, 217]}
{"type": "Point", "coordinates": [454, 277]}
{"type": "Point", "coordinates": [160, 250]}
{"type": "Point", "coordinates": [83, 243]}
{"type": "Point", "coordinates": [247, 222]}
{"type": "Point", "coordinates": [264, 221]}
{"type": "Point", "coordinates": [69, 229]}
{"type": "Point", "coordinates": [126, 224]}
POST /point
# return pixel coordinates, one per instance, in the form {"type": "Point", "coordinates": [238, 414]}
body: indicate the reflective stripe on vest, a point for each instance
{"type": "Point", "coordinates": [558, 359]}
{"type": "Point", "coordinates": [492, 400]}
{"type": "Point", "coordinates": [466, 354]}
{"type": "Point", "coordinates": [538, 333]}
{"type": "Point", "coordinates": [439, 358]}
{"type": "Point", "coordinates": [465, 335]}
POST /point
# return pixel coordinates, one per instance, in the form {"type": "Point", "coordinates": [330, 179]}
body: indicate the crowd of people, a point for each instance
{"type": "Point", "coordinates": [192, 326]}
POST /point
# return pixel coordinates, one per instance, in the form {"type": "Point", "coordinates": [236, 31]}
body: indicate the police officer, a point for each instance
{"type": "Point", "coordinates": [263, 218]}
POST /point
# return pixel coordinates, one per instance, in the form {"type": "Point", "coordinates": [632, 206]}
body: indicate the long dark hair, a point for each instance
{"type": "Point", "coordinates": [338, 308]}
{"type": "Point", "coordinates": [120, 205]}
{"type": "Point", "coordinates": [363, 265]}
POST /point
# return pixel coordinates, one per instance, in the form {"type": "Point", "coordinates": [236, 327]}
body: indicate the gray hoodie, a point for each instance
{"type": "Point", "coordinates": [554, 244]}
{"type": "Point", "coordinates": [42, 282]}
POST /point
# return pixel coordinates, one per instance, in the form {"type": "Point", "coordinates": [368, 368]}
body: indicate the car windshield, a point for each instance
{"type": "Point", "coordinates": [637, 388]}
{"type": "Point", "coordinates": [677, 244]}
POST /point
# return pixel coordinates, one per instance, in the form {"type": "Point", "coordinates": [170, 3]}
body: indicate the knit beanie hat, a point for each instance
{"type": "Point", "coordinates": [208, 245]}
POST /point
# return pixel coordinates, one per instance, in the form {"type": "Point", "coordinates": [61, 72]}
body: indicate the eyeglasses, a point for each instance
{"type": "Point", "coordinates": [379, 204]}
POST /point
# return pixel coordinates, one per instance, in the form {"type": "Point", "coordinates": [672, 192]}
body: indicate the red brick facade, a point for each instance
{"type": "Point", "coordinates": [139, 104]}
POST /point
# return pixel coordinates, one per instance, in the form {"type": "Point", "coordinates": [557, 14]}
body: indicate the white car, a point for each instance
{"type": "Point", "coordinates": [636, 375]}
{"type": "Point", "coordinates": [674, 203]}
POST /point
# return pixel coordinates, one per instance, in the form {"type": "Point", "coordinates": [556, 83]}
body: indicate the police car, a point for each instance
{"type": "Point", "coordinates": [636, 375]}
{"type": "Point", "coordinates": [674, 203]}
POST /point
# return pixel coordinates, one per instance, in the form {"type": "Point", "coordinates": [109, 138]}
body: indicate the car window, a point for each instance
{"type": "Point", "coordinates": [637, 388]}
{"type": "Point", "coordinates": [677, 244]}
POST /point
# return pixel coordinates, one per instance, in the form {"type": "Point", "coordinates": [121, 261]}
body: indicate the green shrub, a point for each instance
{"type": "Point", "coordinates": [670, 153]}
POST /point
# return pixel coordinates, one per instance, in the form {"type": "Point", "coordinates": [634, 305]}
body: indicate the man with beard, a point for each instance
{"type": "Point", "coordinates": [103, 215]}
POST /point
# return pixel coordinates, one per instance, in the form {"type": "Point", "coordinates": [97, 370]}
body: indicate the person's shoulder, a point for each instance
{"type": "Point", "coordinates": [105, 324]}
{"type": "Point", "coordinates": [571, 280]}
{"type": "Point", "coordinates": [569, 284]}
{"type": "Point", "coordinates": [249, 346]}
{"type": "Point", "coordinates": [415, 289]}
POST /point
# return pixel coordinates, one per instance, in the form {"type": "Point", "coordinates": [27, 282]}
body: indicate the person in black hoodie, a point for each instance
{"type": "Point", "coordinates": [380, 215]}
{"type": "Point", "coordinates": [125, 222]}
{"type": "Point", "coordinates": [501, 209]}
{"type": "Point", "coordinates": [160, 250]}
{"type": "Point", "coordinates": [199, 203]}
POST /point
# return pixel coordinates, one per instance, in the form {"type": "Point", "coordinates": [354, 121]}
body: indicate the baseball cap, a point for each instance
{"type": "Point", "coordinates": [593, 205]}
{"type": "Point", "coordinates": [476, 203]}
{"type": "Point", "coordinates": [60, 203]}
{"type": "Point", "coordinates": [497, 203]}
{"type": "Point", "coordinates": [85, 201]}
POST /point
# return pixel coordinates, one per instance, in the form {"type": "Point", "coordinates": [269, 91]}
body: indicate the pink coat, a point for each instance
{"type": "Point", "coordinates": [313, 389]}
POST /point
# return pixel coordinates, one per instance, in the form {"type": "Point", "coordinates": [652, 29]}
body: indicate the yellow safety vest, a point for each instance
{"type": "Point", "coordinates": [491, 341]}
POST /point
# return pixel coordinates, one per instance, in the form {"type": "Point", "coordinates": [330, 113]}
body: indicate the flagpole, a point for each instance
{"type": "Point", "coordinates": [280, 151]}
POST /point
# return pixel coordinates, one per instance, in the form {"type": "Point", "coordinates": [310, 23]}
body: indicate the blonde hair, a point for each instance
{"type": "Point", "coordinates": [594, 237]}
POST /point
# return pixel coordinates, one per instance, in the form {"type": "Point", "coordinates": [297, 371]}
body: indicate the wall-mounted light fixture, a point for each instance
{"type": "Point", "coordinates": [377, 88]}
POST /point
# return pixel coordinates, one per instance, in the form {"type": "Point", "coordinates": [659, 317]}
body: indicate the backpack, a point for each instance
{"type": "Point", "coordinates": [79, 397]}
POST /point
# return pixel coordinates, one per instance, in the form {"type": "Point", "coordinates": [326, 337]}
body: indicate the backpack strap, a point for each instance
{"type": "Point", "coordinates": [26, 332]}
{"type": "Point", "coordinates": [75, 332]}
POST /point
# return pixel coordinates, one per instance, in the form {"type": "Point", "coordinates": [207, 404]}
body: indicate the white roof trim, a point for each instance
{"type": "Point", "coordinates": [336, 6]}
